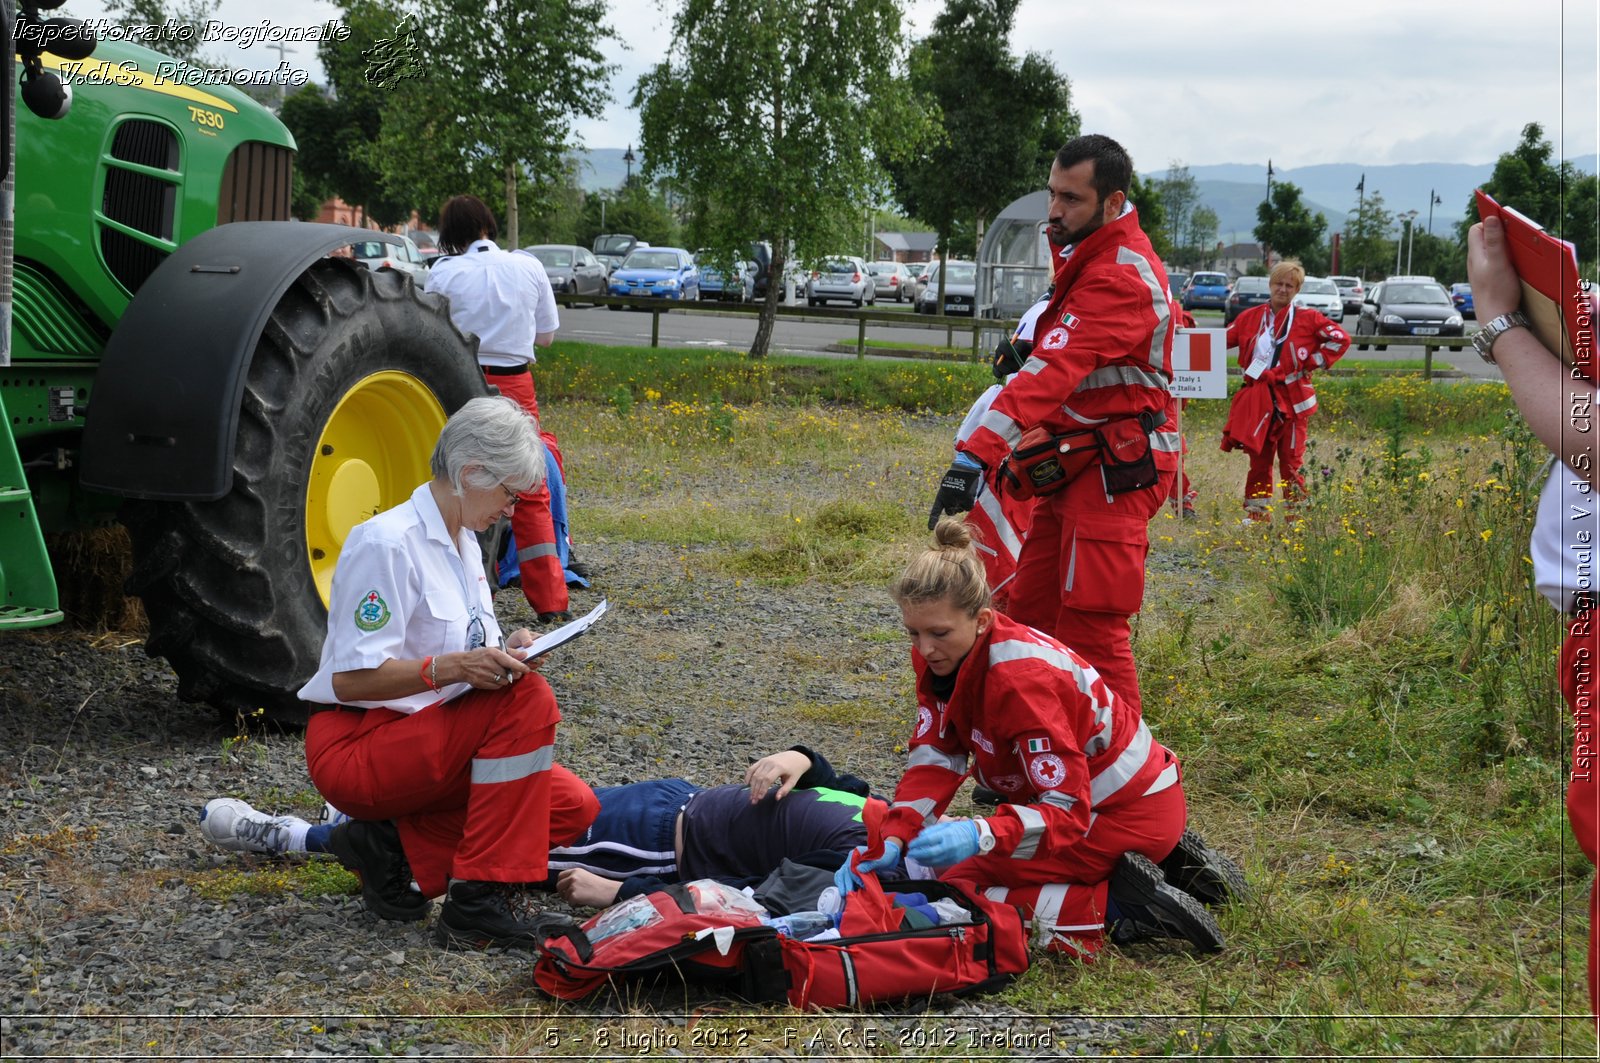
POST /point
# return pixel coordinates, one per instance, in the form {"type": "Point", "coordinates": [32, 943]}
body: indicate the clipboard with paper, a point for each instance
{"type": "Point", "coordinates": [1554, 296]}
{"type": "Point", "coordinates": [566, 632]}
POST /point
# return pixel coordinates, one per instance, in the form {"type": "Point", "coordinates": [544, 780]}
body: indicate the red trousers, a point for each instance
{"type": "Point", "coordinates": [1286, 441]}
{"type": "Point", "coordinates": [1580, 657]}
{"type": "Point", "coordinates": [471, 783]}
{"type": "Point", "coordinates": [1069, 894]}
{"type": "Point", "coordinates": [543, 582]}
{"type": "Point", "coordinates": [1081, 573]}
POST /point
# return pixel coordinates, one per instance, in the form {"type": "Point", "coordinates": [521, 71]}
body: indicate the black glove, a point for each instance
{"type": "Point", "coordinates": [958, 492]}
{"type": "Point", "coordinates": [1009, 356]}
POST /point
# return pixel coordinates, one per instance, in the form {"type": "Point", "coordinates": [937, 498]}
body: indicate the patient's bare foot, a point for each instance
{"type": "Point", "coordinates": [585, 888]}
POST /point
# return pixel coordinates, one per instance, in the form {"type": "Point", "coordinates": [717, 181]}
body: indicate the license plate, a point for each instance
{"type": "Point", "coordinates": [1424, 331]}
{"type": "Point", "coordinates": [955, 306]}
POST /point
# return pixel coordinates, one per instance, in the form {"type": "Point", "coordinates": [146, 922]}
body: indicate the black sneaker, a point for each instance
{"type": "Point", "coordinates": [557, 617]}
{"type": "Point", "coordinates": [578, 568]}
{"type": "Point", "coordinates": [480, 914]}
{"type": "Point", "coordinates": [1196, 868]}
{"type": "Point", "coordinates": [1151, 908]}
{"type": "Point", "coordinates": [371, 848]}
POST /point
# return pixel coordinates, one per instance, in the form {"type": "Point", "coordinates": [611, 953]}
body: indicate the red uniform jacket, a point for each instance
{"type": "Point", "coordinates": [1313, 342]}
{"type": "Point", "coordinates": [1102, 349]}
{"type": "Point", "coordinates": [1043, 730]}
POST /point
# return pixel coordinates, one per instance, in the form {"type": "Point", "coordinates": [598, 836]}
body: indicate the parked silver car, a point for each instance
{"type": "Point", "coordinates": [844, 277]}
{"type": "Point", "coordinates": [404, 256]}
{"type": "Point", "coordinates": [960, 289]}
{"type": "Point", "coordinates": [571, 268]}
{"type": "Point", "coordinates": [1351, 292]}
{"type": "Point", "coordinates": [1320, 293]}
{"type": "Point", "coordinates": [893, 281]}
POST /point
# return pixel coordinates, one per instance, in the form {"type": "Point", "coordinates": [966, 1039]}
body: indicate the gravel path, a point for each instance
{"type": "Point", "coordinates": [122, 936]}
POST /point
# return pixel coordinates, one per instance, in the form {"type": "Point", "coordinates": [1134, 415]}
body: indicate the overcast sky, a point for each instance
{"type": "Point", "coordinates": [1359, 81]}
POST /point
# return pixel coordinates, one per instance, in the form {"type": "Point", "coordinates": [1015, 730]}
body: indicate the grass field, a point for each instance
{"type": "Point", "coordinates": [1363, 701]}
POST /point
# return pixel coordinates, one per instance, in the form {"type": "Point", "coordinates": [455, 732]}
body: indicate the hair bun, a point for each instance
{"type": "Point", "coordinates": [953, 533]}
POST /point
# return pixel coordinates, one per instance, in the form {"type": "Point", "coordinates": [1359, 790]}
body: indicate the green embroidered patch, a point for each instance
{"type": "Point", "coordinates": [372, 613]}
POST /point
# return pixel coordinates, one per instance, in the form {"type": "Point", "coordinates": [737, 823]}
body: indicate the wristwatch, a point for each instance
{"type": "Point", "coordinates": [985, 835]}
{"type": "Point", "coordinates": [1483, 340]}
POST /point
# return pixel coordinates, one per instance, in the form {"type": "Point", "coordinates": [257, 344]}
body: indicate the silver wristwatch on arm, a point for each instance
{"type": "Point", "coordinates": [1483, 339]}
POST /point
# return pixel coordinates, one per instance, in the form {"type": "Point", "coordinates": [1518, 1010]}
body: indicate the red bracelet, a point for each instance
{"type": "Point", "coordinates": [427, 675]}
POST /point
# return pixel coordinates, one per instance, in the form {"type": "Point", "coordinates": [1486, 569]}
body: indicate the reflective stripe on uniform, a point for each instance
{"type": "Point", "coordinates": [1002, 426]}
{"type": "Point", "coordinates": [931, 757]}
{"type": "Point", "coordinates": [989, 502]}
{"type": "Point", "coordinates": [1158, 302]}
{"type": "Point", "coordinates": [1047, 910]}
{"type": "Point", "coordinates": [1168, 776]}
{"type": "Point", "coordinates": [1080, 418]}
{"type": "Point", "coordinates": [1308, 404]}
{"type": "Point", "coordinates": [1022, 650]}
{"type": "Point", "coordinates": [1125, 767]}
{"type": "Point", "coordinates": [1032, 831]}
{"type": "Point", "coordinates": [510, 769]}
{"type": "Point", "coordinates": [1112, 376]}
{"type": "Point", "coordinates": [1167, 442]}
{"type": "Point", "coordinates": [528, 553]}
{"type": "Point", "coordinates": [1057, 799]}
{"type": "Point", "coordinates": [1034, 366]}
{"type": "Point", "coordinates": [923, 806]}
{"type": "Point", "coordinates": [1292, 377]}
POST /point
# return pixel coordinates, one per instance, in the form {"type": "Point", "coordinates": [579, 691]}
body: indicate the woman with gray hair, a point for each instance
{"type": "Point", "coordinates": [440, 737]}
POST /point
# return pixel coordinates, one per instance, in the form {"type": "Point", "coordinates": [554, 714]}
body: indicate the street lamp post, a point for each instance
{"type": "Point", "coordinates": [1433, 199]}
{"type": "Point", "coordinates": [1409, 219]}
{"type": "Point", "coordinates": [629, 158]}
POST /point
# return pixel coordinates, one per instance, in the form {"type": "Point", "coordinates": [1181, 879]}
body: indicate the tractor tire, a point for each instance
{"type": "Point", "coordinates": [348, 387]}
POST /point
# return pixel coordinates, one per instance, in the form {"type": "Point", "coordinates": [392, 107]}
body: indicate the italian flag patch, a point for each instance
{"type": "Point", "coordinates": [1038, 745]}
{"type": "Point", "coordinates": [1068, 320]}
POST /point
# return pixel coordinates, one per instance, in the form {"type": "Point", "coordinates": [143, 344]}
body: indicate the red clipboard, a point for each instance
{"type": "Point", "coordinates": [1554, 297]}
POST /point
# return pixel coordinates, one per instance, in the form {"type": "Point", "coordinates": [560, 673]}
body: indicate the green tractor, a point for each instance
{"type": "Point", "coordinates": [176, 354]}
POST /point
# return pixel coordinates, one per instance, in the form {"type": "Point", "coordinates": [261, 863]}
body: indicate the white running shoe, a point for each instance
{"type": "Point", "coordinates": [231, 824]}
{"type": "Point", "coordinates": [332, 817]}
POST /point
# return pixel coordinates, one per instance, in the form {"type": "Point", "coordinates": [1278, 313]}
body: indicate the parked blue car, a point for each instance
{"type": "Point", "coordinates": [741, 288]}
{"type": "Point", "coordinates": [657, 273]}
{"type": "Point", "coordinates": [1461, 296]}
{"type": "Point", "coordinates": [1206, 290]}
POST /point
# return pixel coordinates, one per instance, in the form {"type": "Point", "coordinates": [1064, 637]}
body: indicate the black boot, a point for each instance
{"type": "Point", "coordinates": [1196, 868]}
{"type": "Point", "coordinates": [1150, 908]}
{"type": "Point", "coordinates": [371, 848]}
{"type": "Point", "coordinates": [480, 914]}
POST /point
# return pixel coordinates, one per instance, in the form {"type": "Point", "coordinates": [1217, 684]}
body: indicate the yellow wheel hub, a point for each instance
{"type": "Point", "coordinates": [373, 453]}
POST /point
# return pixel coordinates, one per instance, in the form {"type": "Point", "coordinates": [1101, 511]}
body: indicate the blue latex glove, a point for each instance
{"type": "Point", "coordinates": [847, 881]}
{"type": "Point", "coordinates": [944, 844]}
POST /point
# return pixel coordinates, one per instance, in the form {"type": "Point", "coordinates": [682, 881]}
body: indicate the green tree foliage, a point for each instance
{"type": "Point", "coordinates": [636, 208]}
{"type": "Point", "coordinates": [1560, 197]}
{"type": "Point", "coordinates": [769, 116]}
{"type": "Point", "coordinates": [1200, 237]}
{"type": "Point", "coordinates": [1180, 198]}
{"type": "Point", "coordinates": [1286, 225]}
{"type": "Point", "coordinates": [1000, 120]}
{"type": "Point", "coordinates": [1367, 249]}
{"type": "Point", "coordinates": [1147, 200]}
{"type": "Point", "coordinates": [492, 108]}
{"type": "Point", "coordinates": [193, 14]}
{"type": "Point", "coordinates": [337, 130]}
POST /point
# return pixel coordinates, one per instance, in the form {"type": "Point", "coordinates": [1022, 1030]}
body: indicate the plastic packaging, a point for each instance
{"type": "Point", "coordinates": [801, 925]}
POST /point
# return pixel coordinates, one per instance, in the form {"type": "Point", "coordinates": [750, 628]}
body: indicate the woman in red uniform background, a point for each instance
{"type": "Point", "coordinates": [1280, 344]}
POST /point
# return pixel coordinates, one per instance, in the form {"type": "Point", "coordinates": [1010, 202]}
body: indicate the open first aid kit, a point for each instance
{"type": "Point", "coordinates": [884, 944]}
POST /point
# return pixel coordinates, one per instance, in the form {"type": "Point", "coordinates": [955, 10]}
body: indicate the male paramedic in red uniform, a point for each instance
{"type": "Point", "coordinates": [1101, 355]}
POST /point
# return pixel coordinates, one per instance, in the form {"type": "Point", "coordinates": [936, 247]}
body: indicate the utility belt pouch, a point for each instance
{"type": "Point", "coordinates": [1128, 463]}
{"type": "Point", "coordinates": [1043, 464]}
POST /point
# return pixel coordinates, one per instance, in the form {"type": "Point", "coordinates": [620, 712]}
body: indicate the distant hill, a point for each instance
{"type": "Point", "coordinates": [1234, 189]}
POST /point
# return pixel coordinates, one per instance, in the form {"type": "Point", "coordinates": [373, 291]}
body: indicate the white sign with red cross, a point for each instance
{"type": "Point", "coordinates": [1199, 363]}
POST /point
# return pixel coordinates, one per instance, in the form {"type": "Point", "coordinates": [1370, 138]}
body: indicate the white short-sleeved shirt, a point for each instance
{"type": "Point", "coordinates": [1030, 317]}
{"type": "Point", "coordinates": [502, 297]}
{"type": "Point", "coordinates": [1565, 530]}
{"type": "Point", "coordinates": [402, 591]}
